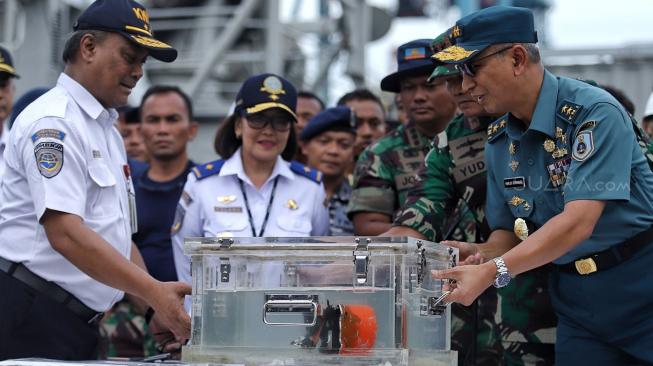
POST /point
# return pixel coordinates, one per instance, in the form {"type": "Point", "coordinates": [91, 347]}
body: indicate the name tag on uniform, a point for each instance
{"type": "Point", "coordinates": [514, 183]}
{"type": "Point", "coordinates": [228, 209]}
{"type": "Point", "coordinates": [404, 181]}
{"type": "Point", "coordinates": [462, 172]}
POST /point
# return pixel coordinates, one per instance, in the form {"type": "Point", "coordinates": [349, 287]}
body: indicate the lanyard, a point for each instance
{"type": "Point", "coordinates": [267, 211]}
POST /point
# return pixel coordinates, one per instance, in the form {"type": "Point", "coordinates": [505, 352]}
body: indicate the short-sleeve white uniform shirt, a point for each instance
{"type": "Point", "coordinates": [65, 154]}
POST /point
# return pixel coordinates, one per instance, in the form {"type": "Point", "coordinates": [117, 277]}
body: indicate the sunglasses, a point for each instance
{"type": "Point", "coordinates": [470, 69]}
{"type": "Point", "coordinates": [280, 124]}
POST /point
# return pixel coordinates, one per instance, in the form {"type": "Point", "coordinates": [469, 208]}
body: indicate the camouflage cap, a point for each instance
{"type": "Point", "coordinates": [440, 43]}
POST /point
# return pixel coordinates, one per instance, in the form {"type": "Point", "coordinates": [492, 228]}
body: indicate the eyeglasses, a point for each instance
{"type": "Point", "coordinates": [470, 69]}
{"type": "Point", "coordinates": [280, 124]}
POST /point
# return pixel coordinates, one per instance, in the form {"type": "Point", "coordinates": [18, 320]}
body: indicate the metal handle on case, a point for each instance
{"type": "Point", "coordinates": [290, 306]}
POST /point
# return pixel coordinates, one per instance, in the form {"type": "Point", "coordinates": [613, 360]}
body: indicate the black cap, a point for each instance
{"type": "Point", "coordinates": [413, 58]}
{"type": "Point", "coordinates": [339, 118]}
{"type": "Point", "coordinates": [25, 100]}
{"type": "Point", "coordinates": [265, 91]}
{"type": "Point", "coordinates": [6, 63]}
{"type": "Point", "coordinates": [128, 18]}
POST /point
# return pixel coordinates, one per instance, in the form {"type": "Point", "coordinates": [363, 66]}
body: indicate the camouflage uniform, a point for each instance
{"type": "Point", "coordinates": [386, 171]}
{"type": "Point", "coordinates": [339, 223]}
{"type": "Point", "coordinates": [514, 325]}
{"type": "Point", "coordinates": [124, 333]}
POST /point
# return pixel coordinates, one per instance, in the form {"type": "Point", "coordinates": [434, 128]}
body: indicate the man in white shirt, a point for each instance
{"type": "Point", "coordinates": [68, 207]}
{"type": "Point", "coordinates": [7, 89]}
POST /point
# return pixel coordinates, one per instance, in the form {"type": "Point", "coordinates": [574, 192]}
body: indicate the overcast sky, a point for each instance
{"type": "Point", "coordinates": [570, 24]}
{"type": "Point", "coordinates": [600, 23]}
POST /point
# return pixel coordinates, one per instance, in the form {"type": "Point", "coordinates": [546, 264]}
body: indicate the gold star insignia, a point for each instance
{"type": "Point", "coordinates": [514, 165]}
{"type": "Point", "coordinates": [209, 166]}
{"type": "Point", "coordinates": [512, 148]}
{"type": "Point", "coordinates": [549, 145]}
{"type": "Point", "coordinates": [456, 32]}
{"type": "Point", "coordinates": [502, 123]}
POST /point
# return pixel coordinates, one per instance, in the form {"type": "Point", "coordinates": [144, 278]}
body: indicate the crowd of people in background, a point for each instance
{"type": "Point", "coordinates": [290, 164]}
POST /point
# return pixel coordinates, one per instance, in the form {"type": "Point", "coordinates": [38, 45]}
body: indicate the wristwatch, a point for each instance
{"type": "Point", "coordinates": [502, 278]}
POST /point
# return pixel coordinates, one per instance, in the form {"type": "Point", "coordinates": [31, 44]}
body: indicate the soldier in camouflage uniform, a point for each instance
{"type": "Point", "coordinates": [514, 325]}
{"type": "Point", "coordinates": [125, 333]}
{"type": "Point", "coordinates": [386, 171]}
{"type": "Point", "coordinates": [327, 142]}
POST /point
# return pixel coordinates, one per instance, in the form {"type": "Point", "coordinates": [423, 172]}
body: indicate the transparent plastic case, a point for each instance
{"type": "Point", "coordinates": [318, 300]}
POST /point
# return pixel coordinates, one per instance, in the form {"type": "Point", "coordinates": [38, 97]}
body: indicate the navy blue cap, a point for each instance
{"type": "Point", "coordinates": [265, 91]}
{"type": "Point", "coordinates": [339, 118]}
{"type": "Point", "coordinates": [6, 63]}
{"type": "Point", "coordinates": [132, 115]}
{"type": "Point", "coordinates": [25, 100]}
{"type": "Point", "coordinates": [413, 58]}
{"type": "Point", "coordinates": [479, 30]}
{"type": "Point", "coordinates": [128, 18]}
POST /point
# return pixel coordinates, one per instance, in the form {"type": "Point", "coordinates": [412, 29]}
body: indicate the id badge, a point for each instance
{"type": "Point", "coordinates": [131, 197]}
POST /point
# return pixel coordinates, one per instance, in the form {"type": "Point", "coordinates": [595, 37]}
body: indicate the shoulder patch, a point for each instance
{"type": "Point", "coordinates": [307, 172]}
{"type": "Point", "coordinates": [208, 169]}
{"type": "Point", "coordinates": [48, 133]}
{"type": "Point", "coordinates": [585, 126]}
{"type": "Point", "coordinates": [583, 146]}
{"type": "Point", "coordinates": [49, 158]}
{"type": "Point", "coordinates": [568, 111]}
{"type": "Point", "coordinates": [496, 128]}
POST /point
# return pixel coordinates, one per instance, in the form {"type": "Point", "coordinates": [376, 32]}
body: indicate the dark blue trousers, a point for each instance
{"type": "Point", "coordinates": [606, 318]}
{"type": "Point", "coordinates": [32, 325]}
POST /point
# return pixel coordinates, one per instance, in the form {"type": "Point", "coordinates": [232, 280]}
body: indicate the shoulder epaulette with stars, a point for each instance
{"type": "Point", "coordinates": [496, 128]}
{"type": "Point", "coordinates": [568, 111]}
{"type": "Point", "coordinates": [310, 173]}
{"type": "Point", "coordinates": [208, 169]}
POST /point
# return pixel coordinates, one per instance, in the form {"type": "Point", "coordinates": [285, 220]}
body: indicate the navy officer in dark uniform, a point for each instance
{"type": "Point", "coordinates": [327, 142]}
{"type": "Point", "coordinates": [565, 161]}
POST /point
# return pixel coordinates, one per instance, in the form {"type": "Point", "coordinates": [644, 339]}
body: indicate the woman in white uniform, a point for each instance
{"type": "Point", "coordinates": [255, 191]}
